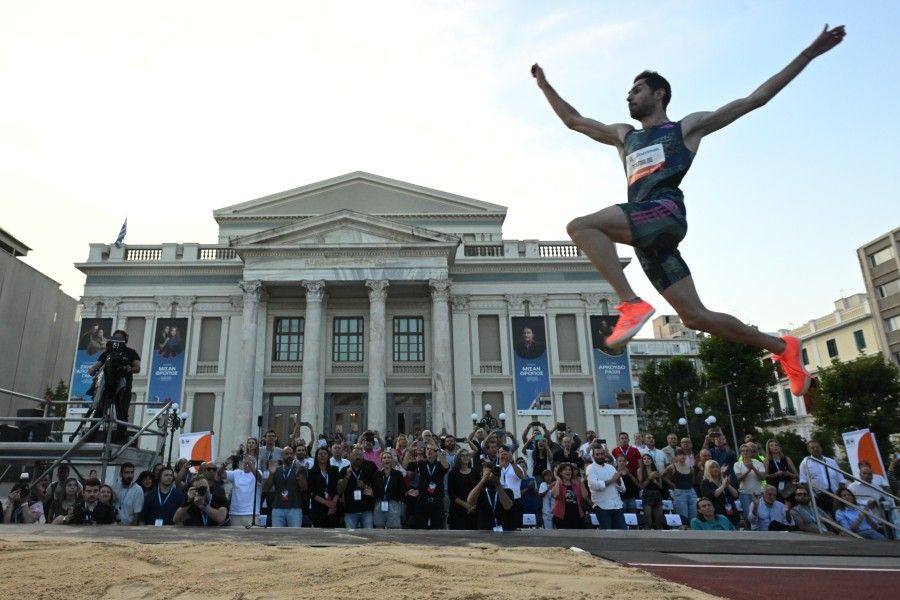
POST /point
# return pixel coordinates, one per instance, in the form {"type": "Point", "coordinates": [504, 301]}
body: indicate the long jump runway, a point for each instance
{"type": "Point", "coordinates": [736, 565]}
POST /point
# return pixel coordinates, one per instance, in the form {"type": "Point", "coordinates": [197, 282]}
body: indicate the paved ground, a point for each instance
{"type": "Point", "coordinates": [739, 565]}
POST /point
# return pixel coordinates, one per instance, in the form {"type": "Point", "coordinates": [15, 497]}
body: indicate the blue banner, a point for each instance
{"type": "Point", "coordinates": [611, 367]}
{"type": "Point", "coordinates": [167, 362]}
{"type": "Point", "coordinates": [532, 372]}
{"type": "Point", "coordinates": [91, 343]}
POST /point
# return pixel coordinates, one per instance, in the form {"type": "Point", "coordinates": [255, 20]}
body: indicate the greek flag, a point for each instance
{"type": "Point", "coordinates": [122, 231]}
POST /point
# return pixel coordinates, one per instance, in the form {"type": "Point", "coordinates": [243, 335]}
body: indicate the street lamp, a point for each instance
{"type": "Point", "coordinates": [171, 421]}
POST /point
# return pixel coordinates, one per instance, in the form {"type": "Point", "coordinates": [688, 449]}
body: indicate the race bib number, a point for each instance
{"type": "Point", "coordinates": [643, 162]}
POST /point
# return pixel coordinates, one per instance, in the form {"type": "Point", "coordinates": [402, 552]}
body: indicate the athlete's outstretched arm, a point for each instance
{"type": "Point", "coordinates": [699, 124]}
{"type": "Point", "coordinates": [614, 135]}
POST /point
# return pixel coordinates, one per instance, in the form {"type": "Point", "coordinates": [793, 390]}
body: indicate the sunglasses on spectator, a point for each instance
{"type": "Point", "coordinates": [211, 469]}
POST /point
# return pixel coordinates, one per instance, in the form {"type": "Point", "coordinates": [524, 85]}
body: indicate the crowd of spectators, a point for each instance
{"type": "Point", "coordinates": [486, 481]}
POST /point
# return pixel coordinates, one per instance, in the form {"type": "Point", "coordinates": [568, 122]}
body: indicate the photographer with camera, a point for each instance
{"type": "Point", "coordinates": [493, 504]}
{"type": "Point", "coordinates": [201, 508]}
{"type": "Point", "coordinates": [161, 503]}
{"type": "Point", "coordinates": [20, 508]}
{"type": "Point", "coordinates": [124, 362]}
{"type": "Point", "coordinates": [90, 511]}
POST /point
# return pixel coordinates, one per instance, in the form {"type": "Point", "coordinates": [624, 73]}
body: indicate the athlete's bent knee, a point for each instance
{"type": "Point", "coordinates": [697, 320]}
{"type": "Point", "coordinates": [576, 226]}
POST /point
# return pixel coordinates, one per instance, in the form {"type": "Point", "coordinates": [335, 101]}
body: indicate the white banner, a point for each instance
{"type": "Point", "coordinates": [861, 445]}
{"type": "Point", "coordinates": [198, 446]}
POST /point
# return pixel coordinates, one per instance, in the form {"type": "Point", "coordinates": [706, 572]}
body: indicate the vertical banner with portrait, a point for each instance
{"type": "Point", "coordinates": [532, 371]}
{"type": "Point", "coordinates": [167, 362]}
{"type": "Point", "coordinates": [611, 367]}
{"type": "Point", "coordinates": [92, 335]}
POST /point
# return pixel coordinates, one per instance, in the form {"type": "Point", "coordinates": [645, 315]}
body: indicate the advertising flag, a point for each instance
{"type": "Point", "coordinates": [92, 335]}
{"type": "Point", "coordinates": [532, 371]}
{"type": "Point", "coordinates": [861, 446]}
{"type": "Point", "coordinates": [611, 368]}
{"type": "Point", "coordinates": [167, 361]}
{"type": "Point", "coordinates": [197, 446]}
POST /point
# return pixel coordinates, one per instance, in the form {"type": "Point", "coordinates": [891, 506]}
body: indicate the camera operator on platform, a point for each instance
{"type": "Point", "coordinates": [132, 365]}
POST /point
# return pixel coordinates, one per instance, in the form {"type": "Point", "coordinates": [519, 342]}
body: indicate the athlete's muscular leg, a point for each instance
{"type": "Point", "coordinates": [682, 295]}
{"type": "Point", "coordinates": [596, 235]}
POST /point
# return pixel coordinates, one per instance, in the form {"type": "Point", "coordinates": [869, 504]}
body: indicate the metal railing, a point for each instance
{"type": "Point", "coordinates": [109, 453]}
{"type": "Point", "coordinates": [827, 491]}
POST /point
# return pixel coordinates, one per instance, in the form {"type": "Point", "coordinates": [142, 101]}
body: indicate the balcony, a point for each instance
{"type": "Point", "coordinates": [550, 250]}
{"type": "Point", "coordinates": [491, 367]}
{"type": "Point", "coordinates": [409, 368]}
{"type": "Point", "coordinates": [207, 367]}
{"type": "Point", "coordinates": [569, 367]}
{"type": "Point", "coordinates": [287, 367]}
{"type": "Point", "coordinates": [161, 253]}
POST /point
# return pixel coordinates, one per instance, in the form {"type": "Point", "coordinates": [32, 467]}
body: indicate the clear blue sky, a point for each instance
{"type": "Point", "coordinates": [166, 111]}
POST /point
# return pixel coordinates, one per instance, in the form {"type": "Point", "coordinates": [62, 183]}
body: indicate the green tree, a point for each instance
{"type": "Point", "coordinates": [661, 381]}
{"type": "Point", "coordinates": [58, 396]}
{"type": "Point", "coordinates": [741, 368]}
{"type": "Point", "coordinates": [863, 393]}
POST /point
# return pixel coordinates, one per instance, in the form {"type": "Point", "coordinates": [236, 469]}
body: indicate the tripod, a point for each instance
{"type": "Point", "coordinates": [256, 477]}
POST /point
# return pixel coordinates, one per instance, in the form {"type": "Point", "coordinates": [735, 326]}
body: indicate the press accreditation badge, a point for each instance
{"type": "Point", "coordinates": [357, 495]}
{"type": "Point", "coordinates": [284, 496]}
{"type": "Point", "coordinates": [645, 161]}
{"type": "Point", "coordinates": [498, 529]}
{"type": "Point", "coordinates": [385, 507]}
{"type": "Point", "coordinates": [158, 523]}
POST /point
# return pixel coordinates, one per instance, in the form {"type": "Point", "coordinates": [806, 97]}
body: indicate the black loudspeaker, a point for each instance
{"type": "Point", "coordinates": [33, 431]}
{"type": "Point", "coordinates": [8, 433]}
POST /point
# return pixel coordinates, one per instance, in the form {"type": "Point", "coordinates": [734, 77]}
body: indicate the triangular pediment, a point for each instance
{"type": "Point", "coordinates": [361, 193]}
{"type": "Point", "coordinates": [345, 228]}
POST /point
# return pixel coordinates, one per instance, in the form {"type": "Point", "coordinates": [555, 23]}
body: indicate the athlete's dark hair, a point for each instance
{"type": "Point", "coordinates": [657, 82]}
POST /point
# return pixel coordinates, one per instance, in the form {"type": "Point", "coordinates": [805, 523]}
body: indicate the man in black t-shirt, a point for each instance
{"type": "Point", "coordinates": [430, 492]}
{"type": "Point", "coordinates": [117, 351]}
{"type": "Point", "coordinates": [201, 509]}
{"type": "Point", "coordinates": [356, 484]}
{"type": "Point", "coordinates": [91, 511]}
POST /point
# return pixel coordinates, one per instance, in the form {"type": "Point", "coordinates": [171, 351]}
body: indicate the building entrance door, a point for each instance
{"type": "Point", "coordinates": [346, 414]}
{"type": "Point", "coordinates": [284, 415]}
{"type": "Point", "coordinates": [409, 411]}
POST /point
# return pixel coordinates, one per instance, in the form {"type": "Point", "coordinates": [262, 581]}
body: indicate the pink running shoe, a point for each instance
{"type": "Point", "coordinates": [791, 361]}
{"type": "Point", "coordinates": [632, 316]}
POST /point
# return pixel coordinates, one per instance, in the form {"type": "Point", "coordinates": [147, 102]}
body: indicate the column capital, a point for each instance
{"type": "Point", "coordinates": [440, 289]}
{"type": "Point", "coordinates": [459, 302]}
{"type": "Point", "coordinates": [515, 301]}
{"type": "Point", "coordinates": [185, 302]}
{"type": "Point", "coordinates": [252, 288]}
{"type": "Point", "coordinates": [596, 300]}
{"type": "Point", "coordinates": [315, 290]}
{"type": "Point", "coordinates": [377, 289]}
{"type": "Point", "coordinates": [164, 302]}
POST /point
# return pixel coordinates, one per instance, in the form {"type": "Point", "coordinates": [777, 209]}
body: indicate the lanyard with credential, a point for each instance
{"type": "Point", "coordinates": [284, 475]}
{"type": "Point", "coordinates": [162, 502]}
{"type": "Point", "coordinates": [387, 482]}
{"type": "Point", "coordinates": [431, 469]}
{"type": "Point", "coordinates": [493, 504]}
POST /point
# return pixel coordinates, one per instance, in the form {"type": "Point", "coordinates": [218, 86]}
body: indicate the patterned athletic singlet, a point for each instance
{"type": "Point", "coordinates": [656, 160]}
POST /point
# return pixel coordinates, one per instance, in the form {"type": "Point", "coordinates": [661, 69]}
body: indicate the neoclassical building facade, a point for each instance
{"type": "Point", "coordinates": [359, 302]}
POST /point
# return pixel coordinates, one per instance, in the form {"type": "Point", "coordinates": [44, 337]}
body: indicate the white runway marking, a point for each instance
{"type": "Point", "coordinates": [671, 566]}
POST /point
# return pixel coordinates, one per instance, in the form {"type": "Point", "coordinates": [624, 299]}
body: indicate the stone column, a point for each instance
{"type": "Point", "coordinates": [377, 360]}
{"type": "Point", "coordinates": [240, 423]}
{"type": "Point", "coordinates": [312, 342]}
{"type": "Point", "coordinates": [441, 357]}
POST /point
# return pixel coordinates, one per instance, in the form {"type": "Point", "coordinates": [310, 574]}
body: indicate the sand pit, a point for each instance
{"type": "Point", "coordinates": [72, 568]}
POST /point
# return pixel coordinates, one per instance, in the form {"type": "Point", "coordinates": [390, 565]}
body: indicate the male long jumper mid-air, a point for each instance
{"type": "Point", "coordinates": [653, 221]}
